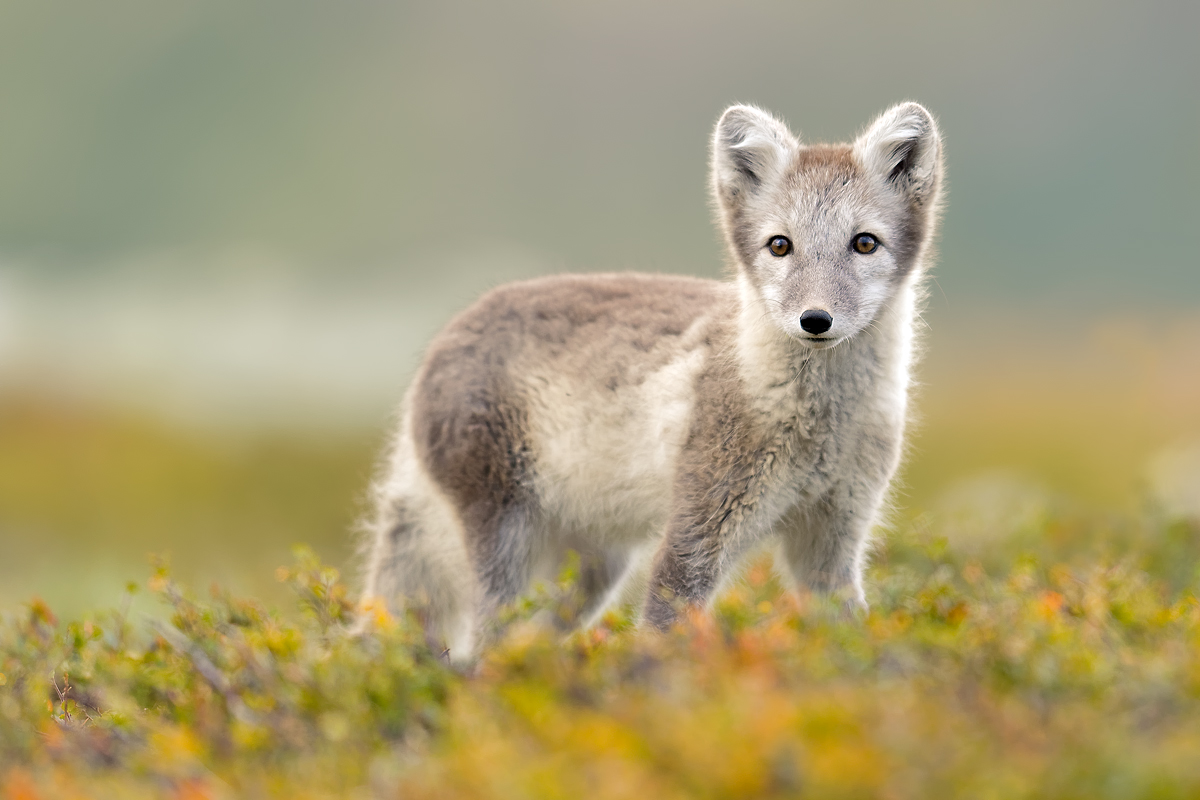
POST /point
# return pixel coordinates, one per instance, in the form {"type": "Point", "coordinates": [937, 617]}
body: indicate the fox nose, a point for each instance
{"type": "Point", "coordinates": [816, 321]}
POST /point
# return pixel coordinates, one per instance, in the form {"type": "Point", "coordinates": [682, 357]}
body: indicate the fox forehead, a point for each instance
{"type": "Point", "coordinates": [824, 193]}
{"type": "Point", "coordinates": [825, 189]}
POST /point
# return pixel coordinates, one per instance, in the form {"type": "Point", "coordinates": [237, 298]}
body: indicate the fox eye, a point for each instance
{"type": "Point", "coordinates": [865, 243]}
{"type": "Point", "coordinates": [780, 245]}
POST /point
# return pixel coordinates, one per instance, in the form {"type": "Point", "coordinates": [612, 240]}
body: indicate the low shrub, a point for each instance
{"type": "Point", "coordinates": [1071, 670]}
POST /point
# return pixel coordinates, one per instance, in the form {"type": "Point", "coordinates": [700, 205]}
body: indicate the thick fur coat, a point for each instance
{"type": "Point", "coordinates": [675, 422]}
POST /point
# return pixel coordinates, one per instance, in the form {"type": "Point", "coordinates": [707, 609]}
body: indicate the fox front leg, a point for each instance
{"type": "Point", "coordinates": [825, 548]}
{"type": "Point", "coordinates": [685, 572]}
{"type": "Point", "coordinates": [695, 556]}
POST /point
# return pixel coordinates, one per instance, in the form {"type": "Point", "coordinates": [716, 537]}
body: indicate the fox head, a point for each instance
{"type": "Point", "coordinates": [826, 235]}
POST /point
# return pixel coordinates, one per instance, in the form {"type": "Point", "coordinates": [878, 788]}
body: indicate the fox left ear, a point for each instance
{"type": "Point", "coordinates": [750, 149]}
{"type": "Point", "coordinates": [904, 148]}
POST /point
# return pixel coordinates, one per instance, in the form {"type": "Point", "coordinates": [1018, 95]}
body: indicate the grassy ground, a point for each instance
{"type": "Point", "coordinates": [86, 494]}
{"type": "Point", "coordinates": [1067, 669]}
{"type": "Point", "coordinates": [1034, 629]}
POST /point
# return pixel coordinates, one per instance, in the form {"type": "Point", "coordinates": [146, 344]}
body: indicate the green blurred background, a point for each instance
{"type": "Point", "coordinates": [227, 229]}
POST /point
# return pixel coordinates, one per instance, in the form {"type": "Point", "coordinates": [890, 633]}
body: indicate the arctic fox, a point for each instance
{"type": "Point", "coordinates": [674, 421]}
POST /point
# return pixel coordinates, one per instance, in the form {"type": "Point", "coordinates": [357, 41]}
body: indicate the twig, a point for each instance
{"type": "Point", "coordinates": [63, 692]}
{"type": "Point", "coordinates": [208, 671]}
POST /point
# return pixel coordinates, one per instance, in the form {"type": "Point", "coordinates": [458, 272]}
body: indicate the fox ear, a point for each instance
{"type": "Point", "coordinates": [903, 147]}
{"type": "Point", "coordinates": [750, 149]}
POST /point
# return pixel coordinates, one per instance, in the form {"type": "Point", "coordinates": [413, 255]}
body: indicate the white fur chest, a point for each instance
{"type": "Point", "coordinates": [843, 409]}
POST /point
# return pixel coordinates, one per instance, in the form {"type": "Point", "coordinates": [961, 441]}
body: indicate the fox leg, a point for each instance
{"type": "Point", "coordinates": [825, 549]}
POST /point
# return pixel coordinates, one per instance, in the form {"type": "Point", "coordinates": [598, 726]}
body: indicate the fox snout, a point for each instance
{"type": "Point", "coordinates": [816, 321]}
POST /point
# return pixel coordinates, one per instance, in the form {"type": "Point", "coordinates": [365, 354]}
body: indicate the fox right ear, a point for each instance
{"type": "Point", "coordinates": [750, 148]}
{"type": "Point", "coordinates": [904, 148]}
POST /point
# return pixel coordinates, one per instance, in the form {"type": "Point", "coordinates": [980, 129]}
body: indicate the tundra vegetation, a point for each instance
{"type": "Point", "coordinates": [1030, 636]}
{"type": "Point", "coordinates": [1063, 662]}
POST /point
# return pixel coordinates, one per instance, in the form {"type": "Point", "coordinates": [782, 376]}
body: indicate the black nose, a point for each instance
{"type": "Point", "coordinates": [816, 321]}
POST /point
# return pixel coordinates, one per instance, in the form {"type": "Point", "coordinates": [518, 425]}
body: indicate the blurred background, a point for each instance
{"type": "Point", "coordinates": [227, 230]}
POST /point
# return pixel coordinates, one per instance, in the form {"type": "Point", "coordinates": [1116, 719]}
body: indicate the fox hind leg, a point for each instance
{"type": "Point", "coordinates": [416, 560]}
